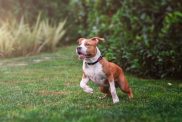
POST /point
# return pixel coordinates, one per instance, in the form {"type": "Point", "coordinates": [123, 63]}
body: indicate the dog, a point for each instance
{"type": "Point", "coordinates": [102, 72]}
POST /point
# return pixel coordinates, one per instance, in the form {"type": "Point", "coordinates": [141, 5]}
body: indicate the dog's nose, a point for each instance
{"type": "Point", "coordinates": [79, 48]}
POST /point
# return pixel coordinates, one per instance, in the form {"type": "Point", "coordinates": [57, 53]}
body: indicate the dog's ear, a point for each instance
{"type": "Point", "coordinates": [97, 39]}
{"type": "Point", "coordinates": [80, 40]}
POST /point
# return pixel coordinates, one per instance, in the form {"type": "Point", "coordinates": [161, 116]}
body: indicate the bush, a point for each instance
{"type": "Point", "coordinates": [144, 37]}
{"type": "Point", "coordinates": [19, 38]}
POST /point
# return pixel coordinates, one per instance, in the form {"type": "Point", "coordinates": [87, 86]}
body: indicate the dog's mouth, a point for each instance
{"type": "Point", "coordinates": [82, 55]}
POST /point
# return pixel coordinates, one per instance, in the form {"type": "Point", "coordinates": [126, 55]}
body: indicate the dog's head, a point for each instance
{"type": "Point", "coordinates": [87, 47]}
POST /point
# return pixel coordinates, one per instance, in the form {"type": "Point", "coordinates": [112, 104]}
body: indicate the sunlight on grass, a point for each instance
{"type": "Point", "coordinates": [19, 38]}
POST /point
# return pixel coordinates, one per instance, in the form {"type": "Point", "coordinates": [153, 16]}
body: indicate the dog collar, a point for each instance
{"type": "Point", "coordinates": [100, 58]}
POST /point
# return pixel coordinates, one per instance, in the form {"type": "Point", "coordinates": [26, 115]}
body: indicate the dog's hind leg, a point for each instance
{"type": "Point", "coordinates": [124, 86]}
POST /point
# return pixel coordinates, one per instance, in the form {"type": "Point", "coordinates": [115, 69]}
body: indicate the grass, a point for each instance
{"type": "Point", "coordinates": [46, 88]}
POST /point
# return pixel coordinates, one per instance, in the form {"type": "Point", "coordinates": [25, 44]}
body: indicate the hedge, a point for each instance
{"type": "Point", "coordinates": [144, 37]}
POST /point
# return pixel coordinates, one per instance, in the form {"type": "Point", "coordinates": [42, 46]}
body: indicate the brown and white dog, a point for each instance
{"type": "Point", "coordinates": [96, 68]}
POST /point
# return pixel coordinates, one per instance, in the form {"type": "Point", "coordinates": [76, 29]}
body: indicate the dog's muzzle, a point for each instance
{"type": "Point", "coordinates": [80, 54]}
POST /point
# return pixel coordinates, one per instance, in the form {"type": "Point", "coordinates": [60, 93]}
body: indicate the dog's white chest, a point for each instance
{"type": "Point", "coordinates": [95, 73]}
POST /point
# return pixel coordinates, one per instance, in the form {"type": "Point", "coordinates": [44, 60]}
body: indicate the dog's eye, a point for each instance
{"type": "Point", "coordinates": [87, 44]}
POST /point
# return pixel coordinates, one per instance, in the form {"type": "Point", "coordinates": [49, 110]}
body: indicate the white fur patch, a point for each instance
{"type": "Point", "coordinates": [95, 73]}
{"type": "Point", "coordinates": [83, 84]}
{"type": "Point", "coordinates": [84, 49]}
{"type": "Point", "coordinates": [113, 92]}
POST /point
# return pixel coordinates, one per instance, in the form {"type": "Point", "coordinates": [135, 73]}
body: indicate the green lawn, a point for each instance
{"type": "Point", "coordinates": [46, 88]}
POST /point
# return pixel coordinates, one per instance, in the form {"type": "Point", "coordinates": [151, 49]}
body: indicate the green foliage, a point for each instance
{"type": "Point", "coordinates": [19, 38]}
{"type": "Point", "coordinates": [144, 37]}
{"type": "Point", "coordinates": [46, 88]}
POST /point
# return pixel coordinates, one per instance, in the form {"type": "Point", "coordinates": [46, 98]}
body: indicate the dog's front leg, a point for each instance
{"type": "Point", "coordinates": [113, 91]}
{"type": "Point", "coordinates": [83, 84]}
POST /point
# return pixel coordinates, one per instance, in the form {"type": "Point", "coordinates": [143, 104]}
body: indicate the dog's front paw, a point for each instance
{"type": "Point", "coordinates": [115, 100]}
{"type": "Point", "coordinates": [88, 90]}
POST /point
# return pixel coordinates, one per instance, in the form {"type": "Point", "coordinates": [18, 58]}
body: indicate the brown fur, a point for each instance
{"type": "Point", "coordinates": [115, 73]}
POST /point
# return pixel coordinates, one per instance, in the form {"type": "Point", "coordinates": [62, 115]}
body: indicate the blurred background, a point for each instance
{"type": "Point", "coordinates": [143, 36]}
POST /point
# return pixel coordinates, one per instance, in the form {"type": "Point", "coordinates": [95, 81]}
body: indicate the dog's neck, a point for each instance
{"type": "Point", "coordinates": [95, 58]}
